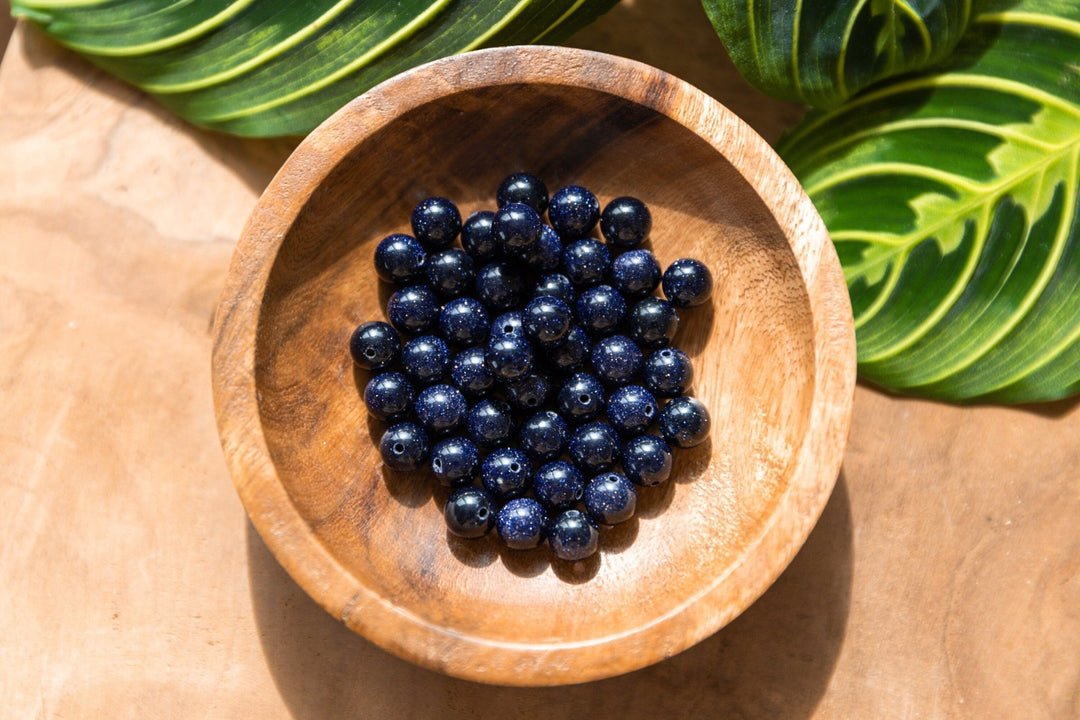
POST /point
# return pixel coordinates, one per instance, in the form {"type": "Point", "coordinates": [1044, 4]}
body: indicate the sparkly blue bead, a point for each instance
{"type": "Point", "coordinates": [440, 409]}
{"type": "Point", "coordinates": [687, 283]}
{"type": "Point", "coordinates": [558, 485]}
{"type": "Point", "coordinates": [499, 286]}
{"type": "Point", "coordinates": [647, 460]}
{"type": "Point", "coordinates": [516, 226]}
{"type": "Point", "coordinates": [543, 436]}
{"type": "Point", "coordinates": [469, 512]}
{"type": "Point", "coordinates": [490, 424]}
{"type": "Point", "coordinates": [436, 221]}
{"type": "Point", "coordinates": [544, 255]}
{"type": "Point", "coordinates": [404, 447]}
{"type": "Point", "coordinates": [389, 395]}
{"type": "Point", "coordinates": [463, 322]}
{"type": "Point", "coordinates": [522, 524]}
{"type": "Point", "coordinates": [556, 285]}
{"type": "Point", "coordinates": [375, 345]}
{"type": "Point", "coordinates": [668, 373]}
{"type": "Point", "coordinates": [525, 188]}
{"type": "Point", "coordinates": [600, 309]}
{"type": "Point", "coordinates": [399, 259]}
{"type": "Point", "coordinates": [616, 360]}
{"type": "Point", "coordinates": [652, 323]}
{"type": "Point", "coordinates": [610, 499]}
{"type": "Point", "coordinates": [546, 320]}
{"type": "Point", "coordinates": [425, 359]}
{"type": "Point", "coordinates": [470, 373]}
{"type": "Point", "coordinates": [573, 211]}
{"type": "Point", "coordinates": [635, 273]}
{"type": "Point", "coordinates": [455, 461]}
{"type": "Point", "coordinates": [573, 536]}
{"type": "Point", "coordinates": [625, 222]}
{"type": "Point", "coordinates": [569, 353]}
{"type": "Point", "coordinates": [586, 262]}
{"type": "Point", "coordinates": [684, 422]}
{"type": "Point", "coordinates": [594, 447]}
{"type": "Point", "coordinates": [581, 398]}
{"type": "Point", "coordinates": [509, 357]}
{"type": "Point", "coordinates": [413, 309]}
{"type": "Point", "coordinates": [506, 473]}
{"type": "Point", "coordinates": [631, 409]}
{"type": "Point", "coordinates": [529, 392]}
{"type": "Point", "coordinates": [477, 238]}
{"type": "Point", "coordinates": [450, 272]}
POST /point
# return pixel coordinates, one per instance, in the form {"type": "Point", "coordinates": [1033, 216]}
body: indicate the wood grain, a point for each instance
{"type": "Point", "coordinates": [941, 582]}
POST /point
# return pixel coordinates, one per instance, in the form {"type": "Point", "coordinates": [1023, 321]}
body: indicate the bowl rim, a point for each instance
{"type": "Point", "coordinates": [815, 467]}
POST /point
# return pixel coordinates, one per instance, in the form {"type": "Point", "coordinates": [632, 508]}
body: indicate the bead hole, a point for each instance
{"type": "Point", "coordinates": [399, 448]}
{"type": "Point", "coordinates": [515, 467]}
{"type": "Point", "coordinates": [482, 513]}
{"type": "Point", "coordinates": [437, 464]}
{"type": "Point", "coordinates": [369, 352]}
{"type": "Point", "coordinates": [584, 399]}
{"type": "Point", "coordinates": [508, 329]}
{"type": "Point", "coordinates": [665, 353]}
{"type": "Point", "coordinates": [649, 411]}
{"type": "Point", "coordinates": [531, 402]}
{"type": "Point", "coordinates": [578, 493]}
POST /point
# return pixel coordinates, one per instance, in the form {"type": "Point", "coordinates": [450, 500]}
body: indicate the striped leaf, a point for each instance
{"type": "Point", "coordinates": [952, 201]}
{"type": "Point", "coordinates": [262, 67]}
{"type": "Point", "coordinates": [820, 52]}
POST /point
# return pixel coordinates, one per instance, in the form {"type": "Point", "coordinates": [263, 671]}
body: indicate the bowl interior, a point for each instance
{"type": "Point", "coordinates": [752, 347]}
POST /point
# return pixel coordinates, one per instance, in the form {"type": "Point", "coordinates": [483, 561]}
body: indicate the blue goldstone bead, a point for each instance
{"type": "Point", "coordinates": [425, 359]}
{"type": "Point", "coordinates": [684, 422]}
{"type": "Point", "coordinates": [413, 309]}
{"type": "Point", "coordinates": [573, 211]}
{"type": "Point", "coordinates": [687, 283]}
{"type": "Point", "coordinates": [558, 485]}
{"type": "Point", "coordinates": [668, 373]}
{"type": "Point", "coordinates": [600, 309]}
{"type": "Point", "coordinates": [499, 286]}
{"type": "Point", "coordinates": [450, 272]}
{"type": "Point", "coordinates": [581, 398]}
{"type": "Point", "coordinates": [569, 353]}
{"type": "Point", "coordinates": [635, 273]}
{"type": "Point", "coordinates": [610, 499]}
{"type": "Point", "coordinates": [389, 395]}
{"type": "Point", "coordinates": [477, 238]}
{"type": "Point", "coordinates": [543, 436]}
{"type": "Point", "coordinates": [399, 259]}
{"type": "Point", "coordinates": [544, 255]}
{"type": "Point", "coordinates": [522, 524]}
{"type": "Point", "coordinates": [652, 323]}
{"type": "Point", "coordinates": [469, 513]}
{"type": "Point", "coordinates": [506, 473]}
{"type": "Point", "coordinates": [631, 409]}
{"type": "Point", "coordinates": [441, 409]}
{"type": "Point", "coordinates": [436, 221]}
{"type": "Point", "coordinates": [463, 322]}
{"type": "Point", "coordinates": [509, 357]}
{"type": "Point", "coordinates": [594, 448]}
{"type": "Point", "coordinates": [455, 461]}
{"type": "Point", "coordinates": [556, 285]}
{"type": "Point", "coordinates": [625, 222]}
{"type": "Point", "coordinates": [490, 424]}
{"type": "Point", "coordinates": [647, 460]}
{"type": "Point", "coordinates": [470, 373]}
{"type": "Point", "coordinates": [404, 447]}
{"type": "Point", "coordinates": [546, 320]}
{"type": "Point", "coordinates": [586, 262]}
{"type": "Point", "coordinates": [375, 345]}
{"type": "Point", "coordinates": [525, 188]}
{"type": "Point", "coordinates": [573, 536]}
{"type": "Point", "coordinates": [528, 392]}
{"type": "Point", "coordinates": [516, 226]}
{"type": "Point", "coordinates": [616, 360]}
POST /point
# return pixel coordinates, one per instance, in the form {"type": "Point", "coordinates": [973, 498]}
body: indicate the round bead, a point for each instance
{"type": "Point", "coordinates": [523, 188]}
{"type": "Point", "coordinates": [516, 226]}
{"type": "Point", "coordinates": [616, 360]}
{"type": "Point", "coordinates": [546, 320]}
{"type": "Point", "coordinates": [687, 283]}
{"type": "Point", "coordinates": [652, 323]}
{"type": "Point", "coordinates": [389, 395]}
{"type": "Point", "coordinates": [470, 373]}
{"type": "Point", "coordinates": [506, 473]}
{"type": "Point", "coordinates": [544, 255]}
{"type": "Point", "coordinates": [625, 222]}
{"type": "Point", "coordinates": [490, 424]}
{"type": "Point", "coordinates": [404, 447]}
{"type": "Point", "coordinates": [543, 436]}
{"type": "Point", "coordinates": [436, 221]}
{"type": "Point", "coordinates": [425, 359]}
{"type": "Point", "coordinates": [594, 448]}
{"type": "Point", "coordinates": [600, 309]}
{"type": "Point", "coordinates": [469, 513]}
{"type": "Point", "coordinates": [464, 322]}
{"type": "Point", "coordinates": [570, 352]}
{"type": "Point", "coordinates": [573, 536]}
{"type": "Point", "coordinates": [509, 356]}
{"type": "Point", "coordinates": [586, 262]}
{"type": "Point", "coordinates": [522, 524]}
{"type": "Point", "coordinates": [450, 272]}
{"type": "Point", "coordinates": [528, 392]}
{"type": "Point", "coordinates": [610, 499]}
{"type": "Point", "coordinates": [477, 239]}
{"type": "Point", "coordinates": [556, 285]}
{"type": "Point", "coordinates": [441, 409]}
{"type": "Point", "coordinates": [399, 259]}
{"type": "Point", "coordinates": [375, 345]}
{"type": "Point", "coordinates": [581, 398]}
{"type": "Point", "coordinates": [668, 373]}
{"type": "Point", "coordinates": [635, 273]}
{"type": "Point", "coordinates": [455, 461]}
{"type": "Point", "coordinates": [573, 211]}
{"type": "Point", "coordinates": [558, 485]}
{"type": "Point", "coordinates": [647, 460]}
{"type": "Point", "coordinates": [499, 286]}
{"type": "Point", "coordinates": [631, 409]}
{"type": "Point", "coordinates": [413, 309]}
{"type": "Point", "coordinates": [684, 422]}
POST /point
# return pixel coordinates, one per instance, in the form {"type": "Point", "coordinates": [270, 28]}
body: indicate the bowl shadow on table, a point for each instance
{"type": "Point", "coordinates": [775, 660]}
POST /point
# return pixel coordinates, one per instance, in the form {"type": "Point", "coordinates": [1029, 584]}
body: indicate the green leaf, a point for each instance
{"type": "Point", "coordinates": [820, 52]}
{"type": "Point", "coordinates": [259, 67]}
{"type": "Point", "coordinates": [952, 201]}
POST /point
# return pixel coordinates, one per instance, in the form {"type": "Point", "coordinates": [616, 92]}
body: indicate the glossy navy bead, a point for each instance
{"type": "Point", "coordinates": [616, 360]}
{"type": "Point", "coordinates": [470, 373]}
{"type": "Point", "coordinates": [635, 273]}
{"type": "Point", "coordinates": [506, 473]}
{"type": "Point", "coordinates": [509, 357]}
{"type": "Point", "coordinates": [569, 353]}
{"type": "Point", "coordinates": [516, 226]}
{"type": "Point", "coordinates": [546, 320]}
{"type": "Point", "coordinates": [594, 447]}
{"type": "Point", "coordinates": [450, 272]}
{"type": "Point", "coordinates": [455, 461]}
{"type": "Point", "coordinates": [543, 436]}
{"type": "Point", "coordinates": [413, 309]}
{"type": "Point", "coordinates": [600, 309]}
{"type": "Point", "coordinates": [687, 283]}
{"type": "Point", "coordinates": [610, 499]}
{"type": "Point", "coordinates": [525, 188]}
{"type": "Point", "coordinates": [477, 239]}
{"type": "Point", "coordinates": [558, 485]}
{"type": "Point", "coordinates": [499, 286]}
{"type": "Point", "coordinates": [556, 285]}
{"type": "Point", "coordinates": [652, 323]}
{"type": "Point", "coordinates": [646, 460]}
{"type": "Point", "coordinates": [668, 373]}
{"type": "Point", "coordinates": [507, 324]}
{"type": "Point", "coordinates": [399, 259]}
{"type": "Point", "coordinates": [581, 398]}
{"type": "Point", "coordinates": [684, 422]}
{"type": "Point", "coordinates": [544, 255]}
{"type": "Point", "coordinates": [404, 447]}
{"type": "Point", "coordinates": [436, 221]}
{"type": "Point", "coordinates": [586, 262]}
{"type": "Point", "coordinates": [573, 211]}
{"type": "Point", "coordinates": [463, 322]}
{"type": "Point", "coordinates": [469, 513]}
{"type": "Point", "coordinates": [529, 392]}
{"type": "Point", "coordinates": [522, 524]}
{"type": "Point", "coordinates": [625, 222]}
{"type": "Point", "coordinates": [490, 424]}
{"type": "Point", "coordinates": [573, 536]}
{"type": "Point", "coordinates": [389, 395]}
{"type": "Point", "coordinates": [631, 409]}
{"type": "Point", "coordinates": [425, 359]}
{"type": "Point", "coordinates": [441, 409]}
{"type": "Point", "coordinates": [375, 345]}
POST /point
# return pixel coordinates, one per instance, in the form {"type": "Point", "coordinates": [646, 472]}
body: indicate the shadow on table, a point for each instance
{"type": "Point", "coordinates": [775, 660]}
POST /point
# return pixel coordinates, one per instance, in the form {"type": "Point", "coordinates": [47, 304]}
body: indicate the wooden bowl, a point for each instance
{"type": "Point", "coordinates": [773, 352]}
